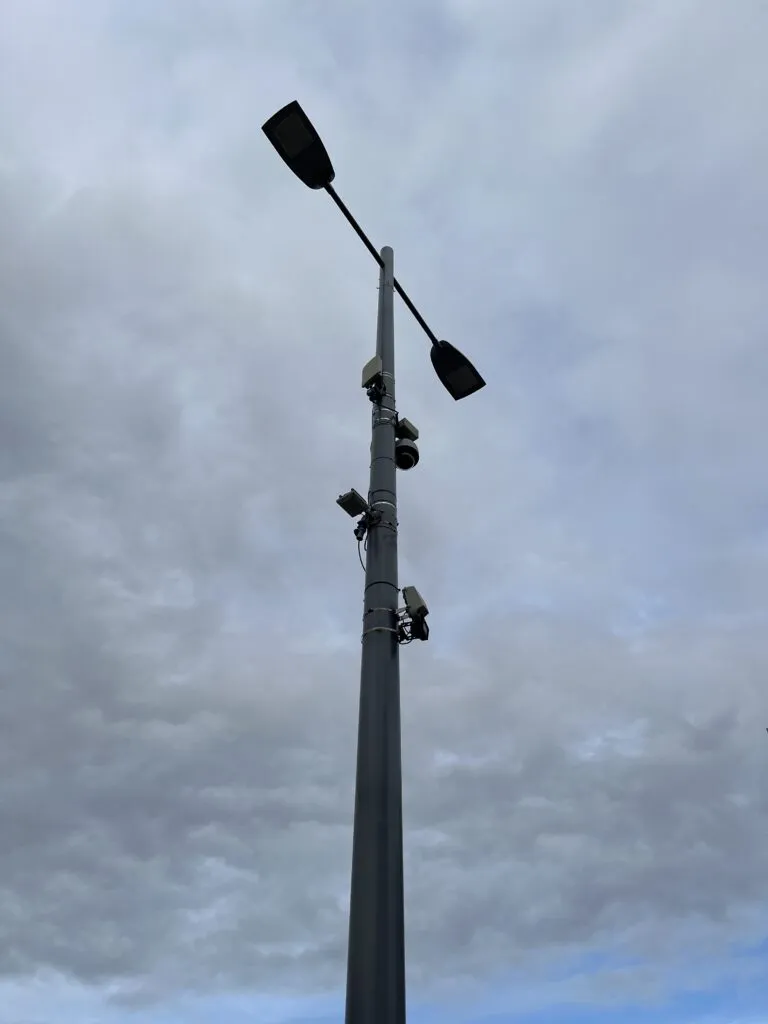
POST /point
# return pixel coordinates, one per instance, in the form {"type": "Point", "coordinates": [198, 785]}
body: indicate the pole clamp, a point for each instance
{"type": "Point", "coordinates": [381, 629]}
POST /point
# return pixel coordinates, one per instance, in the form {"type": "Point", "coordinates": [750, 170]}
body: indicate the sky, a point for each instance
{"type": "Point", "coordinates": [576, 196]}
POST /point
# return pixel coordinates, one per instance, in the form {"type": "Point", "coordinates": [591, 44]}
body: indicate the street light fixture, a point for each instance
{"type": "Point", "coordinates": [294, 137]}
{"type": "Point", "coordinates": [457, 374]}
{"type": "Point", "coordinates": [376, 955]}
{"type": "Point", "coordinates": [296, 140]}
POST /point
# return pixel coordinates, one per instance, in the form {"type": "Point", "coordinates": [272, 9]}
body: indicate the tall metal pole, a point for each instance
{"type": "Point", "coordinates": [376, 956]}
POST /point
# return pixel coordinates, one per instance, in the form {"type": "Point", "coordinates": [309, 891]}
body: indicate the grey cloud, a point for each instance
{"type": "Point", "coordinates": [181, 333]}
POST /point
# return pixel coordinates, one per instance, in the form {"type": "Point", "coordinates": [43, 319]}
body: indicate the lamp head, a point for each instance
{"type": "Point", "coordinates": [294, 137]}
{"type": "Point", "coordinates": [457, 374]}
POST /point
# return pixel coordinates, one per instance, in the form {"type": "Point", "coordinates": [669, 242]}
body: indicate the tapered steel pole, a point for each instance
{"type": "Point", "coordinates": [376, 956]}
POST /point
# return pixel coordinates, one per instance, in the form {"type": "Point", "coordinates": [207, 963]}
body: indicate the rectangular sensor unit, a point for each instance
{"type": "Point", "coordinates": [371, 371]}
{"type": "Point", "coordinates": [354, 504]}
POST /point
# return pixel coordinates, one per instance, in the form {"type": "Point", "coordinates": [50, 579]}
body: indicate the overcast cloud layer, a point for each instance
{"type": "Point", "coordinates": [577, 195]}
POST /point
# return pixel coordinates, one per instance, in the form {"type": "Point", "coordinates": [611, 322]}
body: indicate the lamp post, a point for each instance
{"type": "Point", "coordinates": [376, 954]}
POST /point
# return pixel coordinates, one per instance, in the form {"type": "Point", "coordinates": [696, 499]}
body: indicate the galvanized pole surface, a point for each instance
{"type": "Point", "coordinates": [376, 957]}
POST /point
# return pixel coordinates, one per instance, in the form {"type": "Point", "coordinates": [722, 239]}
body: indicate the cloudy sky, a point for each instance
{"type": "Point", "coordinates": [577, 195]}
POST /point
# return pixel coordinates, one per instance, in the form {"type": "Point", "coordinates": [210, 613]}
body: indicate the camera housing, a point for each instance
{"type": "Point", "coordinates": [415, 605]}
{"type": "Point", "coordinates": [406, 453]}
{"type": "Point", "coordinates": [404, 428]}
{"type": "Point", "coordinates": [352, 503]}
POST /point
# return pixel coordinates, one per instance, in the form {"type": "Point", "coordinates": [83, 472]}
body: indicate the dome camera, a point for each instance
{"type": "Point", "coordinates": [406, 453]}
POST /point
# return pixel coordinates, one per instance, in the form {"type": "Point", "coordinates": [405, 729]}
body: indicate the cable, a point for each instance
{"type": "Point", "coordinates": [360, 556]}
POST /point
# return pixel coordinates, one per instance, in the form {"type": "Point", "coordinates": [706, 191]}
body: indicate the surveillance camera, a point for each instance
{"type": "Point", "coordinates": [372, 371]}
{"type": "Point", "coordinates": [406, 429]}
{"type": "Point", "coordinates": [406, 453]}
{"type": "Point", "coordinates": [354, 504]}
{"type": "Point", "coordinates": [415, 604]}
